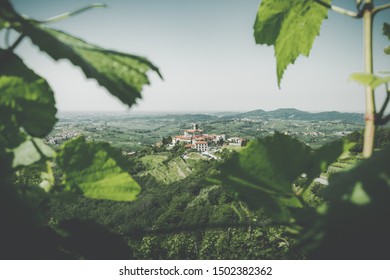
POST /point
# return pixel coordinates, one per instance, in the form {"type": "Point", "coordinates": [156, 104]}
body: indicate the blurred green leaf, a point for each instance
{"type": "Point", "coordinates": [26, 101]}
{"type": "Point", "coordinates": [123, 75]}
{"type": "Point", "coordinates": [92, 240]}
{"type": "Point", "coordinates": [31, 151]}
{"type": "Point", "coordinates": [359, 196]}
{"type": "Point", "coordinates": [6, 159]}
{"type": "Point", "coordinates": [372, 174]}
{"type": "Point", "coordinates": [274, 160]}
{"type": "Point", "coordinates": [94, 169]}
{"type": "Point", "coordinates": [357, 210]}
{"type": "Point", "coordinates": [386, 32]}
{"type": "Point", "coordinates": [10, 134]}
{"type": "Point", "coordinates": [6, 12]}
{"type": "Point", "coordinates": [323, 157]}
{"type": "Point", "coordinates": [291, 26]}
{"type": "Point", "coordinates": [262, 173]}
{"type": "Point", "coordinates": [371, 80]}
{"type": "Point", "coordinates": [47, 177]}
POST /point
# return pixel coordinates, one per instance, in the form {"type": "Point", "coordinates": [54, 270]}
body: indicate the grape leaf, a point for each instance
{"type": "Point", "coordinates": [6, 12]}
{"type": "Point", "coordinates": [262, 173]}
{"type": "Point", "coordinates": [371, 80]}
{"type": "Point", "coordinates": [6, 159]}
{"type": "Point", "coordinates": [123, 75]}
{"type": "Point", "coordinates": [372, 174]}
{"type": "Point", "coordinates": [324, 156]}
{"type": "Point", "coordinates": [358, 202]}
{"type": "Point", "coordinates": [290, 26]}
{"type": "Point", "coordinates": [94, 169]}
{"type": "Point", "coordinates": [27, 153]}
{"type": "Point", "coordinates": [10, 134]}
{"type": "Point", "coordinates": [26, 101]}
{"type": "Point", "coordinates": [386, 32]}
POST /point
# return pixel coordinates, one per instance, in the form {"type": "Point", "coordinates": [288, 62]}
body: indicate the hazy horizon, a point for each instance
{"type": "Point", "coordinates": [129, 111]}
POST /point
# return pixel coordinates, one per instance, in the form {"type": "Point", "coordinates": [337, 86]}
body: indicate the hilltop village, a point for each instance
{"type": "Point", "coordinates": [197, 140]}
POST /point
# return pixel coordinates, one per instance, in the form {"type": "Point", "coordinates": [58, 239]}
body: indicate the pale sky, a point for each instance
{"type": "Point", "coordinates": [207, 54]}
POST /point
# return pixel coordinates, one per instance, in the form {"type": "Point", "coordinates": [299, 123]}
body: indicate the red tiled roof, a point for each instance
{"type": "Point", "coordinates": [182, 137]}
{"type": "Point", "coordinates": [201, 142]}
{"type": "Point", "coordinates": [204, 137]}
{"type": "Point", "coordinates": [194, 130]}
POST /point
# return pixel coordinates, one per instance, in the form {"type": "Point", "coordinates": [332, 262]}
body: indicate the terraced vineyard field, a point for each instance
{"type": "Point", "coordinates": [166, 173]}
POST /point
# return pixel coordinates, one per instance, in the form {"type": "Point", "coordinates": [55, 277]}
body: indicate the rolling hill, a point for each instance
{"type": "Point", "coordinates": [295, 114]}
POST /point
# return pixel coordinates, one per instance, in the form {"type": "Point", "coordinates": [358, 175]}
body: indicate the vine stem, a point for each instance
{"type": "Point", "coordinates": [369, 131]}
{"type": "Point", "coordinates": [71, 14]}
{"type": "Point", "coordinates": [338, 9]}
{"type": "Point", "coordinates": [16, 43]}
{"type": "Point", "coordinates": [385, 103]}
{"type": "Point", "coordinates": [7, 35]}
{"type": "Point", "coordinates": [381, 8]}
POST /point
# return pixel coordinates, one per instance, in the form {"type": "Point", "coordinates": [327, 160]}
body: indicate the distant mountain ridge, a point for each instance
{"type": "Point", "coordinates": [283, 114]}
{"type": "Point", "coordinates": [295, 114]}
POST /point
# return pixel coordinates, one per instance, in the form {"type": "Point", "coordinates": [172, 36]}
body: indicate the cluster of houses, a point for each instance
{"type": "Point", "coordinates": [195, 139]}
{"type": "Point", "coordinates": [59, 138]}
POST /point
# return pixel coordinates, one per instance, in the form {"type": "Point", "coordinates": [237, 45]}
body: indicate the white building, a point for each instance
{"type": "Point", "coordinates": [236, 141]}
{"type": "Point", "coordinates": [181, 138]}
{"type": "Point", "coordinates": [201, 146]}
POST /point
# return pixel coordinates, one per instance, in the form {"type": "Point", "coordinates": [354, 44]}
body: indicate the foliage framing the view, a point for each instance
{"type": "Point", "coordinates": [291, 27]}
{"type": "Point", "coordinates": [355, 199]}
{"type": "Point", "coordinates": [28, 114]}
{"type": "Point", "coordinates": [28, 107]}
{"type": "Point", "coordinates": [262, 174]}
{"type": "Point", "coordinates": [26, 101]}
{"type": "Point", "coordinates": [92, 168]}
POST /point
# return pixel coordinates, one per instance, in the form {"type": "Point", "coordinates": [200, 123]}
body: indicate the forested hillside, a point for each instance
{"type": "Point", "coordinates": [179, 215]}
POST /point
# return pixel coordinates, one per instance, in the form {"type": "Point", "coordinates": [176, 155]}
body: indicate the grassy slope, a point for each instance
{"type": "Point", "coordinates": [165, 173]}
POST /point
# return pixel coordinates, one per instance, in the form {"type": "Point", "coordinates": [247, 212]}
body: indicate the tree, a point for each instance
{"type": "Point", "coordinates": [167, 141]}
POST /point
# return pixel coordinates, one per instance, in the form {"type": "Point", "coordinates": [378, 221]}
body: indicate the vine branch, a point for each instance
{"type": "Point", "coordinates": [339, 9]}
{"type": "Point", "coordinates": [43, 156]}
{"type": "Point", "coordinates": [358, 4]}
{"type": "Point", "coordinates": [16, 43]}
{"type": "Point", "coordinates": [71, 14]}
{"type": "Point", "coordinates": [6, 37]}
{"type": "Point", "coordinates": [380, 8]}
{"type": "Point", "coordinates": [385, 120]}
{"type": "Point", "coordinates": [370, 111]}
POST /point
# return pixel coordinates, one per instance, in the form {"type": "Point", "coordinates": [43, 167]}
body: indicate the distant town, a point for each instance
{"type": "Point", "coordinates": [202, 133]}
{"type": "Point", "coordinates": [197, 140]}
